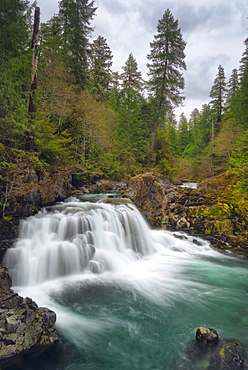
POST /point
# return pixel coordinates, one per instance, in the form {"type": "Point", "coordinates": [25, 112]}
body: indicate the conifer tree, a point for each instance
{"type": "Point", "coordinates": [231, 94]}
{"type": "Point", "coordinates": [243, 93]}
{"type": "Point", "coordinates": [101, 62]}
{"type": "Point", "coordinates": [217, 93]}
{"type": "Point", "coordinates": [14, 69]}
{"type": "Point", "coordinates": [131, 77]}
{"type": "Point", "coordinates": [131, 128]}
{"type": "Point", "coordinates": [165, 69]}
{"type": "Point", "coordinates": [76, 16]}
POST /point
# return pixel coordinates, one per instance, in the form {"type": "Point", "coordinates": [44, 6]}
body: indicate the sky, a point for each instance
{"type": "Point", "coordinates": [214, 30]}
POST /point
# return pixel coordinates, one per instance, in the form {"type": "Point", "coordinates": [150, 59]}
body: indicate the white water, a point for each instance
{"type": "Point", "coordinates": [125, 296]}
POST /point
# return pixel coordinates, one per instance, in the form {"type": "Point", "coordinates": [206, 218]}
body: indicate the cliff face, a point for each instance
{"type": "Point", "coordinates": [24, 327]}
{"type": "Point", "coordinates": [210, 211]}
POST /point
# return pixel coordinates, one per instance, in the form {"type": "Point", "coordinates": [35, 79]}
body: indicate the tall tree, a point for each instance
{"type": "Point", "coordinates": [232, 89]}
{"type": "Point", "coordinates": [131, 77]}
{"type": "Point", "coordinates": [131, 128]}
{"type": "Point", "coordinates": [15, 69]}
{"type": "Point", "coordinates": [101, 63]}
{"type": "Point", "coordinates": [243, 93]}
{"type": "Point", "coordinates": [165, 69]}
{"type": "Point", "coordinates": [217, 93]}
{"type": "Point", "coordinates": [76, 16]}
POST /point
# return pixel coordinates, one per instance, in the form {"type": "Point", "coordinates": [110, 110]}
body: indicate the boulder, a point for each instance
{"type": "Point", "coordinates": [24, 327]}
{"type": "Point", "coordinates": [209, 352]}
{"type": "Point", "coordinates": [151, 192]}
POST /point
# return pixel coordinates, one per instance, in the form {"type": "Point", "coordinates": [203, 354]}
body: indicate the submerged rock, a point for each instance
{"type": "Point", "coordinates": [24, 327]}
{"type": "Point", "coordinates": [209, 352]}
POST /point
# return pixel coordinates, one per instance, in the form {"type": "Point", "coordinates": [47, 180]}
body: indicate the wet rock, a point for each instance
{"type": "Point", "coordinates": [24, 327]}
{"type": "Point", "coordinates": [151, 192]}
{"type": "Point", "coordinates": [207, 336]}
{"type": "Point", "coordinates": [209, 352]}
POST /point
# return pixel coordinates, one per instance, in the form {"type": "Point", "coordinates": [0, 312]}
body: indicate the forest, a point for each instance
{"type": "Point", "coordinates": [62, 105]}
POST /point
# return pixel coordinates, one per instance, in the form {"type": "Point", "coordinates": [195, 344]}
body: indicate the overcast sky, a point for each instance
{"type": "Point", "coordinates": [214, 30]}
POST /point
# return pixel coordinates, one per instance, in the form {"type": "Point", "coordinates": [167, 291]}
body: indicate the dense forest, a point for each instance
{"type": "Point", "coordinates": [63, 106]}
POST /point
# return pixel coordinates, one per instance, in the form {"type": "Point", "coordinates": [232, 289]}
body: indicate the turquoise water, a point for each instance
{"type": "Point", "coordinates": [140, 313]}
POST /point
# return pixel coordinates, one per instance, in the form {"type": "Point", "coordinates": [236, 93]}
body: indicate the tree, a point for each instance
{"type": "Point", "coordinates": [183, 133]}
{"type": "Point", "coordinates": [75, 19]}
{"type": "Point", "coordinates": [243, 93]}
{"type": "Point", "coordinates": [165, 69]}
{"type": "Point", "coordinates": [15, 69]}
{"type": "Point", "coordinates": [101, 63]}
{"type": "Point", "coordinates": [232, 89]}
{"type": "Point", "coordinates": [131, 129]}
{"type": "Point", "coordinates": [217, 94]}
{"type": "Point", "coordinates": [131, 77]}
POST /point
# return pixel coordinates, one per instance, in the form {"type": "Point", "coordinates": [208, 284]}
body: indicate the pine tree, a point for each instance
{"type": "Point", "coordinates": [131, 128]}
{"type": "Point", "coordinates": [75, 16]}
{"type": "Point", "coordinates": [15, 69]}
{"type": "Point", "coordinates": [232, 89]}
{"type": "Point", "coordinates": [183, 133]}
{"type": "Point", "coordinates": [101, 62]}
{"type": "Point", "coordinates": [217, 93]}
{"type": "Point", "coordinates": [165, 69]}
{"type": "Point", "coordinates": [243, 93]}
{"type": "Point", "coordinates": [131, 77]}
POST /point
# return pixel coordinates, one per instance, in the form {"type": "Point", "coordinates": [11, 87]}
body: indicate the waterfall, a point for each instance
{"type": "Point", "coordinates": [75, 236]}
{"type": "Point", "coordinates": [126, 296]}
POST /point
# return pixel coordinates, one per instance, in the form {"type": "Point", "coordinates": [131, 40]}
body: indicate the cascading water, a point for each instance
{"type": "Point", "coordinates": [126, 297]}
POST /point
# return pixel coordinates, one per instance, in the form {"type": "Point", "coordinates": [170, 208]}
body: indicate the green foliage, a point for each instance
{"type": "Point", "coordinates": [165, 70]}
{"type": "Point", "coordinates": [75, 17]}
{"type": "Point", "coordinates": [217, 94]}
{"type": "Point", "coordinates": [100, 68]}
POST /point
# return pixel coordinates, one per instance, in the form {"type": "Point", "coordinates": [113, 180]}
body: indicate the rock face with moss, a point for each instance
{"type": "Point", "coordinates": [214, 210]}
{"type": "Point", "coordinates": [24, 327]}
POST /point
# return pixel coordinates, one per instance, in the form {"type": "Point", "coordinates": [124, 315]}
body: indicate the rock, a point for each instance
{"type": "Point", "coordinates": [24, 327]}
{"type": "Point", "coordinates": [207, 336]}
{"type": "Point", "coordinates": [209, 352]}
{"type": "Point", "coordinates": [151, 192]}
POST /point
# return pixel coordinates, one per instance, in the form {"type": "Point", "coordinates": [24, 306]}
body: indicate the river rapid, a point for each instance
{"type": "Point", "coordinates": [126, 296]}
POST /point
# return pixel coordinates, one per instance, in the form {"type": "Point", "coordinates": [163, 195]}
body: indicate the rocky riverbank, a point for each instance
{"type": "Point", "coordinates": [208, 211]}
{"type": "Point", "coordinates": [25, 328]}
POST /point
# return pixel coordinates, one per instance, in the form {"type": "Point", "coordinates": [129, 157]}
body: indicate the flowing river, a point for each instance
{"type": "Point", "coordinates": [126, 297]}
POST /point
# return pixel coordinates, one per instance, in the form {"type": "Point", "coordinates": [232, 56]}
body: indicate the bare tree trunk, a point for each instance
{"type": "Point", "coordinates": [33, 86]}
{"type": "Point", "coordinates": [154, 135]}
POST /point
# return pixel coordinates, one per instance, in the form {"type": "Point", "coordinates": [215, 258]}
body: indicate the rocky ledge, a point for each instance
{"type": "Point", "coordinates": [24, 327]}
{"type": "Point", "coordinates": [206, 211]}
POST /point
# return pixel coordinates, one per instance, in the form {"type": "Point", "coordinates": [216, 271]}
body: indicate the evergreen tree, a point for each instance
{"type": "Point", "coordinates": [217, 93]}
{"type": "Point", "coordinates": [183, 133]}
{"type": "Point", "coordinates": [131, 128]}
{"type": "Point", "coordinates": [243, 93]}
{"type": "Point", "coordinates": [165, 69]}
{"type": "Point", "coordinates": [75, 16]}
{"type": "Point", "coordinates": [131, 77]}
{"type": "Point", "coordinates": [15, 62]}
{"type": "Point", "coordinates": [232, 89]}
{"type": "Point", "coordinates": [101, 62]}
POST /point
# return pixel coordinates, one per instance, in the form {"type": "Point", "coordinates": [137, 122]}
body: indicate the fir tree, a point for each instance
{"type": "Point", "coordinates": [75, 20]}
{"type": "Point", "coordinates": [131, 77]}
{"type": "Point", "coordinates": [217, 93]}
{"type": "Point", "coordinates": [243, 93]}
{"type": "Point", "coordinates": [165, 69]}
{"type": "Point", "coordinates": [101, 62]}
{"type": "Point", "coordinates": [232, 89]}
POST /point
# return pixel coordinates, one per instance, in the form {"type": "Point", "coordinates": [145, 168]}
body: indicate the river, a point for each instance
{"type": "Point", "coordinates": [126, 296]}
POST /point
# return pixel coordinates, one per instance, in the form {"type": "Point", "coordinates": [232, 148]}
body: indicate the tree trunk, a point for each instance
{"type": "Point", "coordinates": [154, 135]}
{"type": "Point", "coordinates": [33, 86]}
